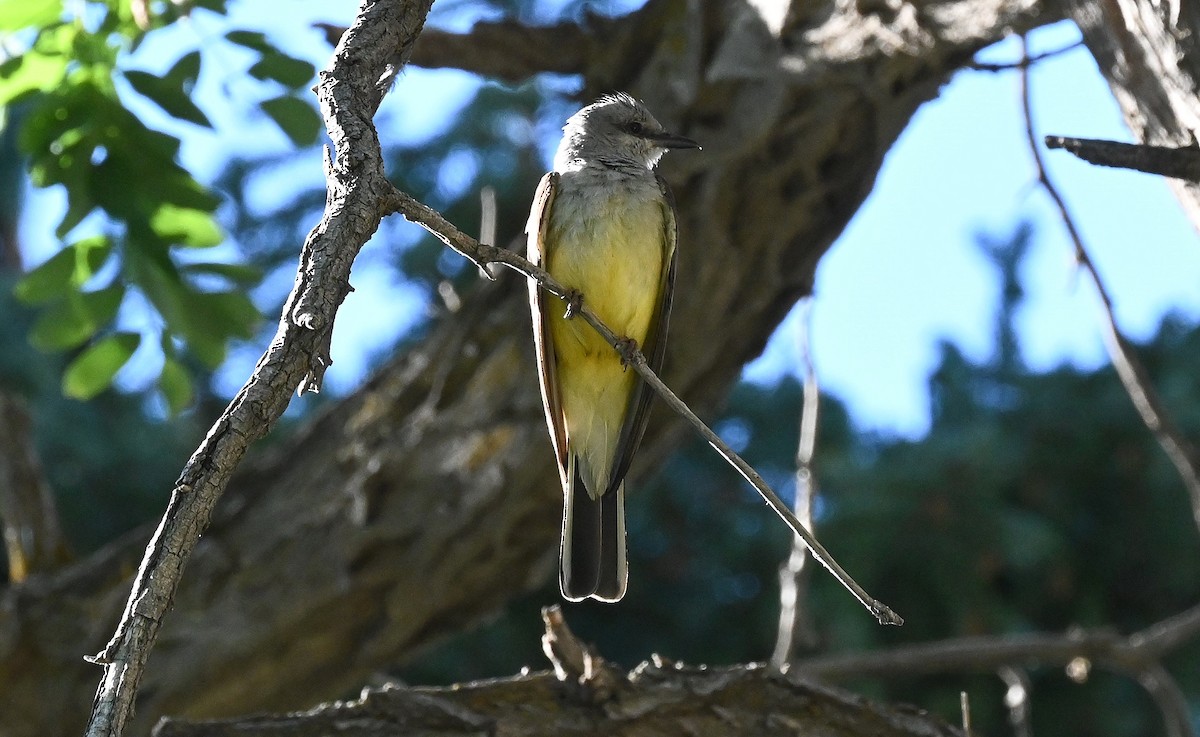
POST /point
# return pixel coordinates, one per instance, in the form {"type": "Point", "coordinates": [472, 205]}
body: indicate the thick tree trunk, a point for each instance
{"type": "Point", "coordinates": [426, 500]}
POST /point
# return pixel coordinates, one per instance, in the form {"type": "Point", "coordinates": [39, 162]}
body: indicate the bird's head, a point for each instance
{"type": "Point", "coordinates": [616, 130]}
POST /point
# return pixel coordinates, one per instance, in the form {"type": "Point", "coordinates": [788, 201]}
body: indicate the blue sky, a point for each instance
{"type": "Point", "coordinates": [905, 274]}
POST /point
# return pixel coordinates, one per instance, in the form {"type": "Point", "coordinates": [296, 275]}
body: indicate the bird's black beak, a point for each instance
{"type": "Point", "coordinates": [670, 140]}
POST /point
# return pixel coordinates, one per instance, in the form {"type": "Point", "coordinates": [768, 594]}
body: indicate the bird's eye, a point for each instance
{"type": "Point", "coordinates": [635, 128]}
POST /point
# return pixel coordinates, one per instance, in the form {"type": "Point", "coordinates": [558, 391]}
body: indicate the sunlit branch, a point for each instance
{"type": "Point", "coordinates": [1016, 699]}
{"type": "Point", "coordinates": [794, 624]}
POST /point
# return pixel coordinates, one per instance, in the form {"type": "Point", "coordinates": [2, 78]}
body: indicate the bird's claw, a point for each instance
{"type": "Point", "coordinates": [574, 303]}
{"type": "Point", "coordinates": [626, 347]}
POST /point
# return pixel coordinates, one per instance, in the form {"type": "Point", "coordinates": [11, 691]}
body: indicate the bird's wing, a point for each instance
{"type": "Point", "coordinates": [536, 231]}
{"type": "Point", "coordinates": [654, 347]}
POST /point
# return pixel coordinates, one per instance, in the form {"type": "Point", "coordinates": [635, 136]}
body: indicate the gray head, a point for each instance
{"type": "Point", "coordinates": [616, 131]}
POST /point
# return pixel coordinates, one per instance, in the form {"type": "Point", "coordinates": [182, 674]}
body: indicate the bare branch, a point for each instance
{"type": "Point", "coordinates": [575, 662]}
{"type": "Point", "coordinates": [1146, 400]}
{"type": "Point", "coordinates": [1177, 717]}
{"type": "Point", "coordinates": [507, 50]}
{"type": "Point", "coordinates": [481, 255]}
{"type": "Point", "coordinates": [1133, 654]}
{"type": "Point", "coordinates": [1016, 699]}
{"type": "Point", "coordinates": [794, 625]}
{"type": "Point", "coordinates": [297, 357]}
{"type": "Point", "coordinates": [1179, 162]}
{"type": "Point", "coordinates": [1023, 63]}
{"type": "Point", "coordinates": [33, 538]}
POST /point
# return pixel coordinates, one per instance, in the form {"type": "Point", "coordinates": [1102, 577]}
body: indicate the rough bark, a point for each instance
{"type": "Point", "coordinates": [652, 702]}
{"type": "Point", "coordinates": [586, 695]}
{"type": "Point", "coordinates": [426, 500]}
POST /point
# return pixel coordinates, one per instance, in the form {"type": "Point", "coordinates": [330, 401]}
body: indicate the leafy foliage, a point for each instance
{"type": "Point", "coordinates": [71, 92]}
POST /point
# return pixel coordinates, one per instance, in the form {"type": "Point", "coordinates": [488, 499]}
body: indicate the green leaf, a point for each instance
{"type": "Point", "coordinates": [212, 318]}
{"type": "Point", "coordinates": [186, 70]}
{"type": "Point", "coordinates": [216, 6]}
{"type": "Point", "coordinates": [284, 69]}
{"type": "Point", "coordinates": [90, 255]}
{"type": "Point", "coordinates": [71, 321]}
{"type": "Point", "coordinates": [93, 371]}
{"type": "Point", "coordinates": [186, 226]}
{"type": "Point", "coordinates": [295, 118]}
{"type": "Point", "coordinates": [241, 274]}
{"type": "Point", "coordinates": [175, 385]}
{"type": "Point", "coordinates": [15, 15]}
{"type": "Point", "coordinates": [70, 267]}
{"type": "Point", "coordinates": [79, 206]}
{"type": "Point", "coordinates": [49, 280]}
{"type": "Point", "coordinates": [168, 95]}
{"type": "Point", "coordinates": [233, 310]}
{"type": "Point", "coordinates": [30, 71]}
{"type": "Point", "coordinates": [251, 40]}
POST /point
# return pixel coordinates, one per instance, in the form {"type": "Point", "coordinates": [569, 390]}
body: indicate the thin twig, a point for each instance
{"type": "Point", "coordinates": [296, 358]}
{"type": "Point", "coordinates": [964, 707]}
{"type": "Point", "coordinates": [1025, 62]}
{"type": "Point", "coordinates": [481, 255]}
{"type": "Point", "coordinates": [1179, 162]}
{"type": "Point", "coordinates": [1016, 699]}
{"type": "Point", "coordinates": [1146, 400]}
{"type": "Point", "coordinates": [1169, 698]}
{"type": "Point", "coordinates": [794, 624]}
{"type": "Point", "coordinates": [1105, 648]}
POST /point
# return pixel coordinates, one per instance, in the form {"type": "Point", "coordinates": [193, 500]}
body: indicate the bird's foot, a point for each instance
{"type": "Point", "coordinates": [574, 303]}
{"type": "Point", "coordinates": [626, 347]}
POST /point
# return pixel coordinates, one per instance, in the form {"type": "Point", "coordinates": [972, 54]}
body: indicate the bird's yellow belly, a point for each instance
{"type": "Point", "coordinates": [616, 263]}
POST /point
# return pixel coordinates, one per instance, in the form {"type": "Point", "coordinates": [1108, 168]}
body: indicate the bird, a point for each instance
{"type": "Point", "coordinates": [603, 224]}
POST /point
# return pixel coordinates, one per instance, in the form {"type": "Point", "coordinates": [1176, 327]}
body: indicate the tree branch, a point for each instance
{"type": "Point", "coordinates": [297, 357]}
{"type": "Point", "coordinates": [1024, 63]}
{"type": "Point", "coordinates": [33, 539]}
{"type": "Point", "coordinates": [481, 255]}
{"type": "Point", "coordinates": [507, 50]}
{"type": "Point", "coordinates": [1182, 162]}
{"type": "Point", "coordinates": [1134, 376]}
{"type": "Point", "coordinates": [315, 547]}
{"type": "Point", "coordinates": [1137, 655]}
{"type": "Point", "coordinates": [794, 624]}
{"type": "Point", "coordinates": [587, 695]}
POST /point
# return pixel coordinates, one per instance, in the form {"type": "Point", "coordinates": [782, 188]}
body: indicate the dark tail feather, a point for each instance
{"type": "Point", "coordinates": [593, 544]}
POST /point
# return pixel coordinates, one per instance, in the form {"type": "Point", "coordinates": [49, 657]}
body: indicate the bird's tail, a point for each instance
{"type": "Point", "coordinates": [593, 542]}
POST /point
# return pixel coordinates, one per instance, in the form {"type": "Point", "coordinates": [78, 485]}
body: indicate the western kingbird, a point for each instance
{"type": "Point", "coordinates": [603, 225]}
